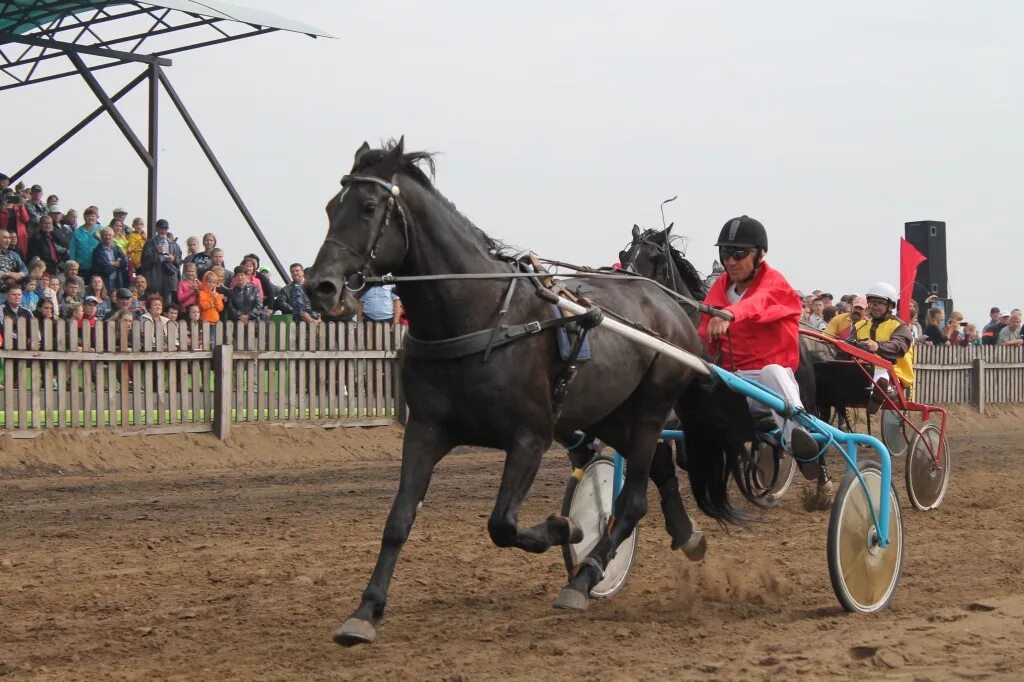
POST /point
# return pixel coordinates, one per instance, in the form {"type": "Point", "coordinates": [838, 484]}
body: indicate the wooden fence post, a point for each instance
{"type": "Point", "coordinates": [222, 377]}
{"type": "Point", "coordinates": [978, 375]}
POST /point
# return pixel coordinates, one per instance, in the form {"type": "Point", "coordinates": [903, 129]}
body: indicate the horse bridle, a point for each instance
{"type": "Point", "coordinates": [663, 250]}
{"type": "Point", "coordinates": [370, 255]}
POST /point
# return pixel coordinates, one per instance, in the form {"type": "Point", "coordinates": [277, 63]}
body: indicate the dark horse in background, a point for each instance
{"type": "Point", "coordinates": [651, 254]}
{"type": "Point", "coordinates": [389, 218]}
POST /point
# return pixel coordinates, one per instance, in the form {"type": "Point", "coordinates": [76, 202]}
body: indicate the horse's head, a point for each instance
{"type": "Point", "coordinates": [367, 233]}
{"type": "Point", "coordinates": [651, 254]}
{"type": "Point", "coordinates": [648, 255]}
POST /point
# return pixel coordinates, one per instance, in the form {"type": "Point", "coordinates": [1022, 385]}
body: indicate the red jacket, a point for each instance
{"type": "Point", "coordinates": [765, 328]}
{"type": "Point", "coordinates": [19, 228]}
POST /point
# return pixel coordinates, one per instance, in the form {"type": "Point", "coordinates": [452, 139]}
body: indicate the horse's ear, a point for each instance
{"type": "Point", "coordinates": [668, 230]}
{"type": "Point", "coordinates": [363, 148]}
{"type": "Point", "coordinates": [636, 231]}
{"type": "Point", "coordinates": [392, 161]}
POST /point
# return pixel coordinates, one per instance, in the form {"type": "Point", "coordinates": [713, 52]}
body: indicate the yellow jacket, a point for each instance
{"type": "Point", "coordinates": [134, 251]}
{"type": "Point", "coordinates": [895, 344]}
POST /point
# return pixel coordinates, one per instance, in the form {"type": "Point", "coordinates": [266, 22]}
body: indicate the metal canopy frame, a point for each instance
{"type": "Point", "coordinates": [91, 36]}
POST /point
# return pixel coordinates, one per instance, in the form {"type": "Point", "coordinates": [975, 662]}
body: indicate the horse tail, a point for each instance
{"type": "Point", "coordinates": [806, 382]}
{"type": "Point", "coordinates": [718, 425]}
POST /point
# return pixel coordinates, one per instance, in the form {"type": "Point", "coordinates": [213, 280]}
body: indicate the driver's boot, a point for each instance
{"type": "Point", "coordinates": [680, 527]}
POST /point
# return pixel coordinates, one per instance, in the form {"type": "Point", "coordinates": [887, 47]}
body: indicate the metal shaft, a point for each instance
{"type": "Point", "coordinates": [616, 327]}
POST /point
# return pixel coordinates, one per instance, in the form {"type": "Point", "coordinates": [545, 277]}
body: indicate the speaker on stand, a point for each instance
{"type": "Point", "coordinates": [929, 237]}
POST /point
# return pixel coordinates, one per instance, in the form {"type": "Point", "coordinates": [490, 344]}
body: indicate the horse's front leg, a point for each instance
{"type": "Point", "coordinates": [423, 447]}
{"type": "Point", "coordinates": [630, 507]}
{"type": "Point", "coordinates": [522, 460]}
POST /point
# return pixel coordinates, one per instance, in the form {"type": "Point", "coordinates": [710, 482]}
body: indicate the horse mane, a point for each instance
{"type": "Point", "coordinates": [693, 279]}
{"type": "Point", "coordinates": [412, 166]}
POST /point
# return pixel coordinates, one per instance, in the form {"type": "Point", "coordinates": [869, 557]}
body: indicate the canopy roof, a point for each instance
{"type": "Point", "coordinates": [34, 33]}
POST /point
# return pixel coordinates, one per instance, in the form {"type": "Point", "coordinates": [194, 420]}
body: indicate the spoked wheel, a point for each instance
{"type": "Point", "coordinates": [588, 501]}
{"type": "Point", "coordinates": [927, 477]}
{"type": "Point", "coordinates": [893, 436]}
{"type": "Point", "coordinates": [864, 574]}
{"type": "Point", "coordinates": [768, 474]}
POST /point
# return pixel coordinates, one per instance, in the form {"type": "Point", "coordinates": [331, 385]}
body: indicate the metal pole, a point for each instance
{"type": "Point", "coordinates": [644, 339]}
{"type": "Point", "coordinates": [154, 127]}
{"type": "Point", "coordinates": [102, 96]}
{"type": "Point", "coordinates": [187, 118]}
{"type": "Point", "coordinates": [78, 128]}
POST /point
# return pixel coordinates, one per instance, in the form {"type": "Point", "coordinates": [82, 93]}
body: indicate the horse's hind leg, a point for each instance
{"type": "Point", "coordinates": [522, 461]}
{"type": "Point", "coordinates": [423, 447]}
{"type": "Point", "coordinates": [679, 525]}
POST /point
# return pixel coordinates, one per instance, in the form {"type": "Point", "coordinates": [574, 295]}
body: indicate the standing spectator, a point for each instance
{"type": "Point", "coordinates": [380, 304]}
{"type": "Point", "coordinates": [29, 296]}
{"type": "Point", "coordinates": [990, 333]}
{"type": "Point", "coordinates": [245, 301]}
{"type": "Point", "coordinates": [972, 337]}
{"type": "Point", "coordinates": [136, 242]}
{"type": "Point", "coordinates": [120, 215]}
{"type": "Point", "coordinates": [110, 262]}
{"type": "Point", "coordinates": [210, 302]}
{"type": "Point", "coordinates": [204, 258]}
{"type": "Point", "coordinates": [71, 271]}
{"type": "Point", "coordinates": [64, 228]}
{"type": "Point", "coordinates": [45, 246]}
{"type": "Point", "coordinates": [251, 263]}
{"type": "Point", "coordinates": [172, 313]}
{"type": "Point", "coordinates": [841, 326]}
{"type": "Point", "coordinates": [12, 267]}
{"type": "Point", "coordinates": [188, 288]}
{"type": "Point", "coordinates": [5, 182]}
{"type": "Point", "coordinates": [45, 310]}
{"type": "Point", "coordinates": [915, 321]}
{"type": "Point", "coordinates": [36, 209]}
{"type": "Point", "coordinates": [161, 259]}
{"type": "Point", "coordinates": [120, 237]}
{"type": "Point", "coordinates": [98, 288]}
{"type": "Point", "coordinates": [816, 319]}
{"type": "Point", "coordinates": [90, 306]}
{"type": "Point", "coordinates": [955, 329]}
{"type": "Point", "coordinates": [191, 249]}
{"type": "Point", "coordinates": [154, 312]}
{"type": "Point", "coordinates": [14, 218]}
{"type": "Point", "coordinates": [122, 307]}
{"type": "Point", "coordinates": [12, 309]}
{"type": "Point", "coordinates": [140, 290]}
{"type": "Point", "coordinates": [302, 311]}
{"type": "Point", "coordinates": [84, 241]}
{"type": "Point", "coordinates": [216, 261]}
{"type": "Point", "coordinates": [933, 330]}
{"type": "Point", "coordinates": [1010, 335]}
{"type": "Point", "coordinates": [72, 292]}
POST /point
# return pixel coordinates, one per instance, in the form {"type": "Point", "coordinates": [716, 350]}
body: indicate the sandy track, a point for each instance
{"type": "Point", "coordinates": [188, 572]}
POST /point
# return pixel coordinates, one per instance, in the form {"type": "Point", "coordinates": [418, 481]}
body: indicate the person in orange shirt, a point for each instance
{"type": "Point", "coordinates": [211, 303]}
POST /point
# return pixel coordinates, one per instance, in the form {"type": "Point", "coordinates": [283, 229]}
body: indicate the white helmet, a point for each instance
{"type": "Point", "coordinates": [883, 290]}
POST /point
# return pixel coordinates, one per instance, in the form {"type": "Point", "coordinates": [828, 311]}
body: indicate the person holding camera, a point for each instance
{"type": "Point", "coordinates": [161, 258]}
{"type": "Point", "coordinates": [14, 218]}
{"type": "Point", "coordinates": [12, 267]}
{"type": "Point", "coordinates": [110, 262]}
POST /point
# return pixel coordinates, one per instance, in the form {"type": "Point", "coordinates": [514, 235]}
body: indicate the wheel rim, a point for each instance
{"type": "Point", "coordinates": [892, 432]}
{"type": "Point", "coordinates": [868, 571]}
{"type": "Point", "coordinates": [591, 508]}
{"type": "Point", "coordinates": [926, 479]}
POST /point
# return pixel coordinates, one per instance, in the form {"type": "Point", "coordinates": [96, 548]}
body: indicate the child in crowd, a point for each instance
{"type": "Point", "coordinates": [136, 241]}
{"type": "Point", "coordinates": [72, 292]}
{"type": "Point", "coordinates": [29, 294]}
{"type": "Point", "coordinates": [244, 302]}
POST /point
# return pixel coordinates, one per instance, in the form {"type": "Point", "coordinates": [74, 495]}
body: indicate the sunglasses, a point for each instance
{"type": "Point", "coordinates": [725, 254]}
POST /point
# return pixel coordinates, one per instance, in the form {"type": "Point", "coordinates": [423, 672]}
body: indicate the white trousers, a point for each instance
{"type": "Point", "coordinates": [781, 380]}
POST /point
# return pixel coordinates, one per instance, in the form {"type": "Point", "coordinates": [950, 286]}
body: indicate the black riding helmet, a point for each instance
{"type": "Point", "coordinates": [743, 232]}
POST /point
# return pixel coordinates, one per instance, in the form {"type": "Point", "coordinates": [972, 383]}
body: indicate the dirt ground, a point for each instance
{"type": "Point", "coordinates": [183, 558]}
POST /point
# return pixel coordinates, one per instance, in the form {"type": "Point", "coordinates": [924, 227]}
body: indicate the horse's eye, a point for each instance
{"type": "Point", "coordinates": [369, 207]}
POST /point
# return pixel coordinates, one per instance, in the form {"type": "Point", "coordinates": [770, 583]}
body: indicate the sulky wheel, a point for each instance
{"type": "Point", "coordinates": [769, 474]}
{"type": "Point", "coordinates": [864, 574]}
{"type": "Point", "coordinates": [588, 502]}
{"type": "Point", "coordinates": [927, 478]}
{"type": "Point", "coordinates": [892, 433]}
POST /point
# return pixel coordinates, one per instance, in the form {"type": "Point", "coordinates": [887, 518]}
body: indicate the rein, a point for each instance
{"type": "Point", "coordinates": [370, 255]}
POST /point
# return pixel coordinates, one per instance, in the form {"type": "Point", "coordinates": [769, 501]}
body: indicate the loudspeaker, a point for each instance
{"type": "Point", "coordinates": [929, 237]}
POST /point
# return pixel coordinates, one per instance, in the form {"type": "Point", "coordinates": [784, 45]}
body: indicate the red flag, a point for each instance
{"type": "Point", "coordinates": [910, 259]}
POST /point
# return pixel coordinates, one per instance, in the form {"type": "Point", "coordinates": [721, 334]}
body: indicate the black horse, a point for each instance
{"type": "Point", "coordinates": [389, 218]}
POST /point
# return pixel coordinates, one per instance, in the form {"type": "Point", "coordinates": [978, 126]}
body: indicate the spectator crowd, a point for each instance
{"type": "Point", "coordinates": [55, 265]}
{"type": "Point", "coordinates": [931, 328]}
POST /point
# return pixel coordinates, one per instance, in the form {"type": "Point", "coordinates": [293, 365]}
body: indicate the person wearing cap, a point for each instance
{"type": "Point", "coordinates": [90, 306]}
{"type": "Point", "coordinates": [122, 306]}
{"type": "Point", "coordinates": [759, 337]}
{"type": "Point", "coordinates": [36, 209]}
{"type": "Point", "coordinates": [842, 324]}
{"type": "Point", "coordinates": [990, 332]}
{"type": "Point", "coordinates": [886, 335]}
{"type": "Point", "coordinates": [119, 214]}
{"type": "Point", "coordinates": [161, 258]}
{"type": "Point", "coordinates": [5, 182]}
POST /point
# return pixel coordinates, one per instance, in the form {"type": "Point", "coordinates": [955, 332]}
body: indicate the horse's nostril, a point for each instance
{"type": "Point", "coordinates": [326, 288]}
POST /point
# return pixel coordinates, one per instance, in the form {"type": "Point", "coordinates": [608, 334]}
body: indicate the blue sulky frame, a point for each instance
{"type": "Point", "coordinates": [823, 433]}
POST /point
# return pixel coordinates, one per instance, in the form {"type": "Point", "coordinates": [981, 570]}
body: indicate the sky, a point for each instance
{"type": "Point", "coordinates": [561, 124]}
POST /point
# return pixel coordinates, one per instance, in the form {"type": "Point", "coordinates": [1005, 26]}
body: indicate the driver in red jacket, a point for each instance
{"type": "Point", "coordinates": [761, 339]}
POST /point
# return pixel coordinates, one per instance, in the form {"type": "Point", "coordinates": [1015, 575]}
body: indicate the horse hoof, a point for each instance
{"type": "Point", "coordinates": [696, 547]}
{"type": "Point", "coordinates": [570, 599]}
{"type": "Point", "coordinates": [355, 631]}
